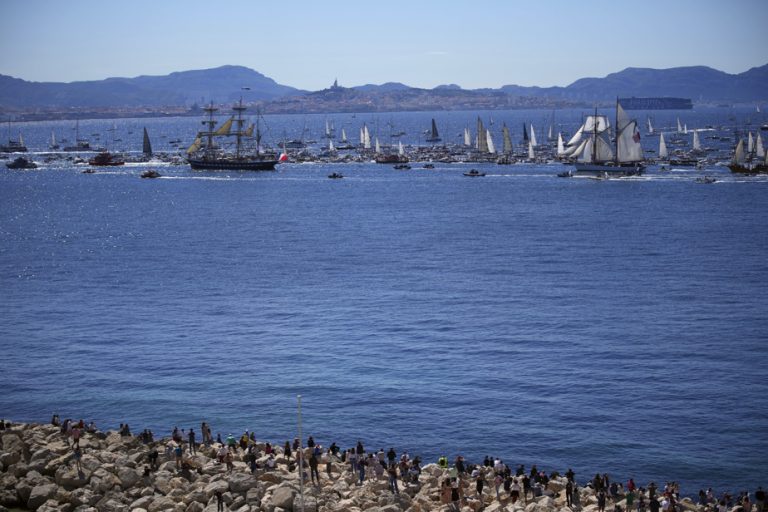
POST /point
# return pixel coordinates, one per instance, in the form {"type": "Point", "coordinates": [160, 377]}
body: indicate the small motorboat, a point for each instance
{"type": "Point", "coordinates": [335, 176]}
{"type": "Point", "coordinates": [89, 171]}
{"type": "Point", "coordinates": [474, 173]}
{"type": "Point", "coordinates": [150, 173]}
{"type": "Point", "coordinates": [706, 179]}
{"type": "Point", "coordinates": [21, 163]}
{"type": "Point", "coordinates": [429, 166]}
{"type": "Point", "coordinates": [565, 174]}
{"type": "Point", "coordinates": [402, 167]}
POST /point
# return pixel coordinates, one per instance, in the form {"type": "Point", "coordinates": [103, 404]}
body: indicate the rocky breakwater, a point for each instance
{"type": "Point", "coordinates": [39, 472]}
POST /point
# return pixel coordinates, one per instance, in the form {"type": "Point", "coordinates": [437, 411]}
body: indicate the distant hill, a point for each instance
{"type": "Point", "coordinates": [223, 84]}
{"type": "Point", "coordinates": [181, 88]}
{"type": "Point", "coordinates": [700, 83]}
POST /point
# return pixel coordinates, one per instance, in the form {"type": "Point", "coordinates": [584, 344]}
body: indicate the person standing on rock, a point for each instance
{"type": "Point", "coordinates": [191, 438]}
{"type": "Point", "coordinates": [568, 493]}
{"type": "Point", "coordinates": [601, 501]}
{"type": "Point", "coordinates": [479, 484]}
{"type": "Point", "coordinates": [392, 472]}
{"type": "Point", "coordinates": [760, 499]}
{"type": "Point", "coordinates": [179, 453]}
{"type": "Point", "coordinates": [287, 451]}
{"type": "Point", "coordinates": [77, 454]}
{"type": "Point", "coordinates": [219, 502]}
{"type": "Point", "coordinates": [313, 473]}
{"type": "Point", "coordinates": [361, 469]}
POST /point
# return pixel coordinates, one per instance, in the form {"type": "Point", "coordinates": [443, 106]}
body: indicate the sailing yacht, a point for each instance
{"type": "Point", "coordinates": [13, 146]}
{"type": "Point", "coordinates": [598, 157]}
{"type": "Point", "coordinates": [433, 136]}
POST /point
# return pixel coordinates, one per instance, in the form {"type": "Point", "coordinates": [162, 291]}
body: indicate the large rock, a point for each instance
{"type": "Point", "coordinates": [128, 477]}
{"type": "Point", "coordinates": [282, 497]}
{"type": "Point", "coordinates": [241, 482]}
{"type": "Point", "coordinates": [212, 487]}
{"type": "Point", "coordinates": [70, 479]}
{"type": "Point", "coordinates": [40, 494]}
{"type": "Point", "coordinates": [195, 507]}
{"type": "Point", "coordinates": [162, 503]}
{"type": "Point", "coordinates": [142, 502]}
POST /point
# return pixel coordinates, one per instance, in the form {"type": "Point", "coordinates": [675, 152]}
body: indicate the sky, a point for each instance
{"type": "Point", "coordinates": [422, 43]}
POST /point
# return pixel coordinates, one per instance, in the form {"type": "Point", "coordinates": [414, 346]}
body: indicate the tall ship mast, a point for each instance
{"type": "Point", "coordinates": [206, 154]}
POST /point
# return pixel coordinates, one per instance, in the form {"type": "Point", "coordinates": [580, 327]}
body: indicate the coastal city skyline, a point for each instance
{"type": "Point", "coordinates": [309, 45]}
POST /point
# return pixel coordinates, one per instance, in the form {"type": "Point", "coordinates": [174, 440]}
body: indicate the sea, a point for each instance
{"type": "Point", "coordinates": [613, 326]}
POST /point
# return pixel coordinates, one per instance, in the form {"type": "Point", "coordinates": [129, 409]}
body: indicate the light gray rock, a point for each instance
{"type": "Point", "coordinates": [40, 494]}
{"type": "Point", "coordinates": [241, 482]}
{"type": "Point", "coordinates": [70, 479]}
{"type": "Point", "coordinates": [128, 477]}
{"type": "Point", "coordinates": [219, 485]}
{"type": "Point", "coordinates": [195, 506]}
{"type": "Point", "coordinates": [282, 497]}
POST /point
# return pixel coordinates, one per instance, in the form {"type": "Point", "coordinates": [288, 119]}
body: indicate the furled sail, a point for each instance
{"type": "Point", "coordinates": [507, 147]}
{"type": "Point", "coordinates": [482, 141]}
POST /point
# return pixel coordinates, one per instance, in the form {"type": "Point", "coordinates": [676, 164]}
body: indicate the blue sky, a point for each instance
{"type": "Point", "coordinates": [423, 43]}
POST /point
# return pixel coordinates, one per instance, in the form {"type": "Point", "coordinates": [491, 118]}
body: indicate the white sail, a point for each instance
{"type": "Point", "coordinates": [467, 137]}
{"type": "Point", "coordinates": [603, 148]}
{"type": "Point", "coordinates": [491, 147]}
{"type": "Point", "coordinates": [738, 155]}
{"type": "Point", "coordinates": [343, 135]}
{"type": "Point", "coordinates": [378, 147]}
{"type": "Point", "coordinates": [650, 127]}
{"type": "Point", "coordinates": [597, 124]}
{"type": "Point", "coordinates": [750, 143]}
{"type": "Point", "coordinates": [696, 141]}
{"type": "Point", "coordinates": [759, 149]}
{"type": "Point", "coordinates": [327, 129]}
{"type": "Point", "coordinates": [628, 144]}
{"type": "Point", "coordinates": [679, 126]}
{"type": "Point", "coordinates": [531, 154]}
{"type": "Point", "coordinates": [400, 149]}
{"type": "Point", "coordinates": [578, 151]}
{"type": "Point", "coordinates": [586, 153]}
{"type": "Point", "coordinates": [533, 137]}
{"type": "Point", "coordinates": [549, 136]}
{"type": "Point", "coordinates": [685, 129]}
{"type": "Point", "coordinates": [482, 140]}
{"type": "Point", "coordinates": [576, 138]}
{"type": "Point", "coordinates": [362, 136]}
{"type": "Point", "coordinates": [367, 137]}
{"type": "Point", "coordinates": [662, 146]}
{"type": "Point", "coordinates": [560, 146]}
{"type": "Point", "coordinates": [331, 147]}
{"type": "Point", "coordinates": [53, 139]}
{"type": "Point", "coordinates": [21, 139]}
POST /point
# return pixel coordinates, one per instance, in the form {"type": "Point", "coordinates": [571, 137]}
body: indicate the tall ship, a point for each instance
{"type": "Point", "coordinates": [749, 162]}
{"type": "Point", "coordinates": [662, 103]}
{"type": "Point", "coordinates": [13, 146]}
{"type": "Point", "coordinates": [206, 153]}
{"type": "Point", "coordinates": [596, 155]}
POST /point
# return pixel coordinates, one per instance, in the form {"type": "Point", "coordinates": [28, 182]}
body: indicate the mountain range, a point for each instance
{"type": "Point", "coordinates": [227, 83]}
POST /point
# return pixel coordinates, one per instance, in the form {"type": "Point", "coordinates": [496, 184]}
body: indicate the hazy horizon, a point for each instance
{"type": "Point", "coordinates": [307, 45]}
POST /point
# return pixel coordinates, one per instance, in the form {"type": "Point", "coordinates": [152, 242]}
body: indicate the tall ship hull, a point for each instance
{"type": "Point", "coordinates": [614, 171]}
{"type": "Point", "coordinates": [231, 164]}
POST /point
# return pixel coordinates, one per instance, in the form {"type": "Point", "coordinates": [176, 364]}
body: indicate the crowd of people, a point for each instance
{"type": "Point", "coordinates": [402, 469]}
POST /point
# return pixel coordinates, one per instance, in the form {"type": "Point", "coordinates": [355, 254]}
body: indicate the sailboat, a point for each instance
{"type": "Point", "coordinates": [507, 138]}
{"type": "Point", "coordinates": [742, 163]}
{"type": "Point", "coordinates": [489, 138]}
{"type": "Point", "coordinates": [53, 144]}
{"type": "Point", "coordinates": [13, 146]}
{"type": "Point", "coordinates": [80, 144]}
{"type": "Point", "coordinates": [662, 148]}
{"type": "Point", "coordinates": [650, 127]}
{"type": "Point", "coordinates": [599, 158]}
{"type": "Point", "coordinates": [467, 137]}
{"type": "Point", "coordinates": [531, 153]}
{"type": "Point", "coordinates": [213, 157]}
{"type": "Point", "coordinates": [697, 141]}
{"type": "Point", "coordinates": [433, 136]}
{"type": "Point", "coordinates": [146, 145]}
{"type": "Point", "coordinates": [533, 137]}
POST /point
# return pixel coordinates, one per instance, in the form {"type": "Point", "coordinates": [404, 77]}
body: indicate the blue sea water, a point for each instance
{"type": "Point", "coordinates": [615, 326]}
